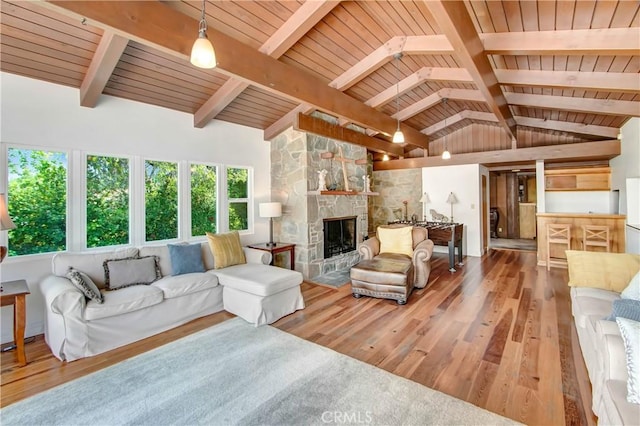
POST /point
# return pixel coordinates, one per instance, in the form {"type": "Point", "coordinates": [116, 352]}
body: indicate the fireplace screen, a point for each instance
{"type": "Point", "coordinates": [339, 235]}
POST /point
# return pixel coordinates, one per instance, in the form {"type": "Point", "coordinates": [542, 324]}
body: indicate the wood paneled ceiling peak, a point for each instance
{"type": "Point", "coordinates": [568, 68]}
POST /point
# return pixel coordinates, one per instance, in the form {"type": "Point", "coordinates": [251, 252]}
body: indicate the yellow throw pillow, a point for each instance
{"type": "Point", "coordinates": [226, 249]}
{"type": "Point", "coordinates": [396, 240]}
{"type": "Point", "coordinates": [607, 271]}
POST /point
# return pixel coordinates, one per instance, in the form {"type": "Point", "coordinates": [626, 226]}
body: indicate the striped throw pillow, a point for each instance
{"type": "Point", "coordinates": [226, 249]}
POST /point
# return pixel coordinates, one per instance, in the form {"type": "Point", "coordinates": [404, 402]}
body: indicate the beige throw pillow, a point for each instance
{"type": "Point", "coordinates": [607, 271]}
{"type": "Point", "coordinates": [226, 249]}
{"type": "Point", "coordinates": [396, 240]}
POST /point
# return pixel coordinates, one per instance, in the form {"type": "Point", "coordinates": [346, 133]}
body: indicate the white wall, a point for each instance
{"type": "Point", "coordinates": [465, 182]}
{"type": "Point", "coordinates": [40, 114]}
{"type": "Point", "coordinates": [627, 164]}
{"type": "Point", "coordinates": [578, 202]}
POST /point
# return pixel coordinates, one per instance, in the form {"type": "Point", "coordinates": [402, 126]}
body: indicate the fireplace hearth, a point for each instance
{"type": "Point", "coordinates": [339, 235]}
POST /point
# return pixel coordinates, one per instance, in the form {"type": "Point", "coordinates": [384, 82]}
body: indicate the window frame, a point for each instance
{"type": "Point", "coordinates": [142, 196]}
{"type": "Point", "coordinates": [187, 222]}
{"type": "Point", "coordinates": [248, 200]}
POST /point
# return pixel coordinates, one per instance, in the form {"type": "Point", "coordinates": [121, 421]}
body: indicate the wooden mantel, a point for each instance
{"type": "Point", "coordinates": [615, 222]}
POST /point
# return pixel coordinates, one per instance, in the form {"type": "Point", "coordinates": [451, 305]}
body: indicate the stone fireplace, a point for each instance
{"type": "Point", "coordinates": [295, 162]}
{"type": "Point", "coordinates": [339, 235]}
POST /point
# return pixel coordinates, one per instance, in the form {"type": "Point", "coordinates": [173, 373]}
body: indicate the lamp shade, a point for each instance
{"type": "Point", "coordinates": [446, 155]}
{"type": "Point", "coordinates": [202, 53]}
{"type": "Point", "coordinates": [424, 198]}
{"type": "Point", "coordinates": [5, 219]}
{"type": "Point", "coordinates": [451, 199]}
{"type": "Point", "coordinates": [398, 137]}
{"type": "Point", "coordinates": [270, 209]}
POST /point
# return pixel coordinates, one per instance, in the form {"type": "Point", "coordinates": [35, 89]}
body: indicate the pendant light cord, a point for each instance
{"type": "Point", "coordinates": [202, 26]}
{"type": "Point", "coordinates": [397, 90]}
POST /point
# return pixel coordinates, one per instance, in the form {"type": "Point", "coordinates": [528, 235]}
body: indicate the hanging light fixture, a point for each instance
{"type": "Point", "coordinates": [398, 136]}
{"type": "Point", "coordinates": [385, 157]}
{"type": "Point", "coordinates": [202, 53]}
{"type": "Point", "coordinates": [445, 154]}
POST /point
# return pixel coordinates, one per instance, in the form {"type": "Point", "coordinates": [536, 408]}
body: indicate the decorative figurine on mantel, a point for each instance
{"type": "Point", "coordinates": [322, 182]}
{"type": "Point", "coordinates": [437, 217]}
{"type": "Point", "coordinates": [367, 183]}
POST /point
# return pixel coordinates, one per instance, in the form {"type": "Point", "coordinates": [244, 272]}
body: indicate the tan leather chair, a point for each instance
{"type": "Point", "coordinates": [422, 251]}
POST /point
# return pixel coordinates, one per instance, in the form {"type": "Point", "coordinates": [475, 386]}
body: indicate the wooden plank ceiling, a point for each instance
{"type": "Point", "coordinates": [516, 74]}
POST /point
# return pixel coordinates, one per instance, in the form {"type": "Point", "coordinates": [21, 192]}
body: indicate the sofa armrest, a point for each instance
{"type": "Point", "coordinates": [370, 248]}
{"type": "Point", "coordinates": [257, 256]}
{"type": "Point", "coordinates": [422, 263]}
{"type": "Point", "coordinates": [614, 358]}
{"type": "Point", "coordinates": [65, 328]}
{"type": "Point", "coordinates": [423, 251]}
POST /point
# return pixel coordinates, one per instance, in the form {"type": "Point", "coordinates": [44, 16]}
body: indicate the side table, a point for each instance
{"type": "Point", "coordinates": [278, 248]}
{"type": "Point", "coordinates": [14, 293]}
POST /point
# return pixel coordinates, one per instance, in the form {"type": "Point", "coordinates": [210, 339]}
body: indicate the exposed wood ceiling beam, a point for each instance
{"type": "Point", "coordinates": [572, 152]}
{"type": "Point", "coordinates": [588, 105]}
{"type": "Point", "coordinates": [102, 64]}
{"type": "Point", "coordinates": [286, 121]}
{"type": "Point", "coordinates": [410, 45]}
{"type": "Point", "coordinates": [462, 115]}
{"type": "Point", "coordinates": [302, 20]}
{"type": "Point", "coordinates": [456, 24]}
{"type": "Point", "coordinates": [459, 75]}
{"type": "Point", "coordinates": [564, 126]}
{"type": "Point", "coordinates": [306, 123]}
{"type": "Point", "coordinates": [606, 41]}
{"type": "Point", "coordinates": [602, 81]}
{"type": "Point", "coordinates": [434, 98]}
{"type": "Point", "coordinates": [158, 25]}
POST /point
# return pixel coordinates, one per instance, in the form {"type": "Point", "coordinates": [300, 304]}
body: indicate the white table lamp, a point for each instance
{"type": "Point", "coordinates": [451, 199]}
{"type": "Point", "coordinates": [5, 224]}
{"type": "Point", "coordinates": [270, 210]}
{"type": "Point", "coordinates": [424, 200]}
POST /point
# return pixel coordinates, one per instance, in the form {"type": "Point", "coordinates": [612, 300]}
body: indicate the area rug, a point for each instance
{"type": "Point", "coordinates": [234, 373]}
{"type": "Point", "coordinates": [333, 279]}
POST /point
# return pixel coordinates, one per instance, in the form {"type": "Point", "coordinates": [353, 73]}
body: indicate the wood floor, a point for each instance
{"type": "Point", "coordinates": [498, 333]}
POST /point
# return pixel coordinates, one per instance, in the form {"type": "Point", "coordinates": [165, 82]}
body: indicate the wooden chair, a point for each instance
{"type": "Point", "coordinates": [557, 233]}
{"type": "Point", "coordinates": [595, 236]}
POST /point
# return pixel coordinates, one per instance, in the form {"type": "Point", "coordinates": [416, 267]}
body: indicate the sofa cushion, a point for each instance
{"type": "Point", "coordinates": [588, 306]}
{"type": "Point", "coordinates": [632, 290]}
{"type": "Point", "coordinates": [607, 271]}
{"type": "Point", "coordinates": [226, 249]}
{"type": "Point", "coordinates": [125, 300]}
{"type": "Point", "coordinates": [89, 263]}
{"type": "Point", "coordinates": [85, 284]}
{"type": "Point", "coordinates": [396, 240]}
{"type": "Point", "coordinates": [185, 258]}
{"type": "Point", "coordinates": [630, 331]}
{"type": "Point", "coordinates": [258, 279]}
{"type": "Point", "coordinates": [162, 253]}
{"type": "Point", "coordinates": [121, 273]}
{"type": "Point", "coordinates": [615, 408]}
{"type": "Point", "coordinates": [180, 285]}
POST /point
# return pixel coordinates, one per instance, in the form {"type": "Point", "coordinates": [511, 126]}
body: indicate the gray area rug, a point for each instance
{"type": "Point", "coordinates": [334, 279]}
{"type": "Point", "coordinates": [233, 373]}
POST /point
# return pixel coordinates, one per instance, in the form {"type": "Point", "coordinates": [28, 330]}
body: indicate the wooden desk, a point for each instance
{"type": "Point", "coordinates": [14, 293]}
{"type": "Point", "coordinates": [278, 248]}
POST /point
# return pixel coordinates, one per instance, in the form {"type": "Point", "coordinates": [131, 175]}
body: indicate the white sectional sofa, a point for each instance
{"type": "Point", "coordinates": [600, 339]}
{"type": "Point", "coordinates": [76, 327]}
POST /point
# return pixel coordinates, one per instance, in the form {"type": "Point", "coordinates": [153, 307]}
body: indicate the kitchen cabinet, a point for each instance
{"type": "Point", "coordinates": [583, 179]}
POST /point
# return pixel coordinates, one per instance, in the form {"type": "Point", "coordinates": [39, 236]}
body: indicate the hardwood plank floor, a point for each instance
{"type": "Point", "coordinates": [498, 333]}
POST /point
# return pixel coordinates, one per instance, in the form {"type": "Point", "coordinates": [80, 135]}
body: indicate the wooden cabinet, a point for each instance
{"type": "Point", "coordinates": [527, 220]}
{"type": "Point", "coordinates": [585, 179]}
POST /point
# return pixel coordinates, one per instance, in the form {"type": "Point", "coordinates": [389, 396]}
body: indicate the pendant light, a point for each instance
{"type": "Point", "coordinates": [202, 53]}
{"type": "Point", "coordinates": [398, 136]}
{"type": "Point", "coordinates": [445, 154]}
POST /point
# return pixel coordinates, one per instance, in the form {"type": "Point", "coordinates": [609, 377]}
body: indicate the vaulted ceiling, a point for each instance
{"type": "Point", "coordinates": [524, 73]}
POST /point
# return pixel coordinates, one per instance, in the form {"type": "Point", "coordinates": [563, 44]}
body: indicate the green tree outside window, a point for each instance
{"type": "Point", "coordinates": [238, 193]}
{"type": "Point", "coordinates": [161, 200]}
{"type": "Point", "coordinates": [37, 201]}
{"type": "Point", "coordinates": [107, 201]}
{"type": "Point", "coordinates": [203, 199]}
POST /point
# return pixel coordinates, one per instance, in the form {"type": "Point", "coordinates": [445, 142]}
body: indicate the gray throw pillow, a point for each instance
{"type": "Point", "coordinates": [85, 284]}
{"type": "Point", "coordinates": [625, 308]}
{"type": "Point", "coordinates": [120, 273]}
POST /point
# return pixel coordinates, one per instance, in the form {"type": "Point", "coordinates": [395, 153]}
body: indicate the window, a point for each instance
{"type": "Point", "coordinates": [37, 201]}
{"type": "Point", "coordinates": [161, 200]}
{"type": "Point", "coordinates": [107, 201]}
{"type": "Point", "coordinates": [203, 199]}
{"type": "Point", "coordinates": [238, 195]}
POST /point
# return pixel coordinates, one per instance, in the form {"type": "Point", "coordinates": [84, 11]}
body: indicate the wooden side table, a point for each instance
{"type": "Point", "coordinates": [278, 248]}
{"type": "Point", "coordinates": [14, 293]}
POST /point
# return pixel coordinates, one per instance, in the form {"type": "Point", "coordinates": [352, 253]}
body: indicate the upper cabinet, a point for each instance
{"type": "Point", "coordinates": [583, 179]}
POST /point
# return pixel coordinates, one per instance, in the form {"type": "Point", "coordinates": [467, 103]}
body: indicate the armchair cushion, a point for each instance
{"type": "Point", "coordinates": [396, 240]}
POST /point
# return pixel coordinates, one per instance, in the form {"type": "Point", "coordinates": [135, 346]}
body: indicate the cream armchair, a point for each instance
{"type": "Point", "coordinates": [422, 251]}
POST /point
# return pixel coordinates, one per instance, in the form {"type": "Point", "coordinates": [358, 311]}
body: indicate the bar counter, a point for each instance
{"type": "Point", "coordinates": [615, 222]}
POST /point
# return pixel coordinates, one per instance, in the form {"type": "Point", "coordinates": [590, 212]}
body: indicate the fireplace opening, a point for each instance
{"type": "Point", "coordinates": [339, 235]}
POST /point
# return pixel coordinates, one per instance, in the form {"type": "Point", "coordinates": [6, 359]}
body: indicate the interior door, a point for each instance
{"type": "Point", "coordinates": [485, 216]}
